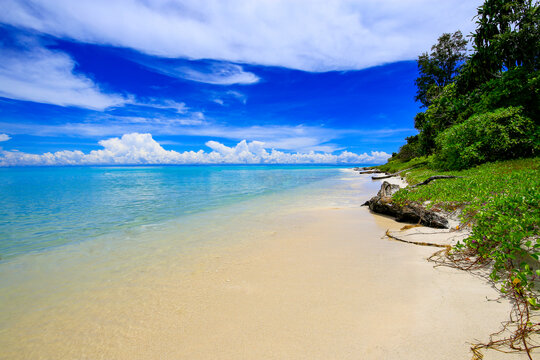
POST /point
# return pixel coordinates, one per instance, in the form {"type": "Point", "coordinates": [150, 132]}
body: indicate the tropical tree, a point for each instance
{"type": "Point", "coordinates": [439, 68]}
{"type": "Point", "coordinates": [507, 36]}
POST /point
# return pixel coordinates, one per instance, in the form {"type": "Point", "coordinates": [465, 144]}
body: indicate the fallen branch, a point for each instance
{"type": "Point", "coordinates": [416, 242]}
{"type": "Point", "coordinates": [391, 175]}
{"type": "Point", "coordinates": [430, 179]}
{"type": "Point", "coordinates": [371, 172]}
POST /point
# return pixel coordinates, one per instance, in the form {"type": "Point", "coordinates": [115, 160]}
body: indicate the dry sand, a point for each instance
{"type": "Point", "coordinates": [321, 284]}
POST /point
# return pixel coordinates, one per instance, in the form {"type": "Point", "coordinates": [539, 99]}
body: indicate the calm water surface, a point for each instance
{"type": "Point", "coordinates": [47, 207]}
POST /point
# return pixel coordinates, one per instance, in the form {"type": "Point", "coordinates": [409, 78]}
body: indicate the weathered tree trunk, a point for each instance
{"type": "Point", "coordinates": [412, 213]}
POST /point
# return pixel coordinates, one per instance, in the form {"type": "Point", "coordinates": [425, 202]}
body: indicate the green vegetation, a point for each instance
{"type": "Point", "coordinates": [500, 202]}
{"type": "Point", "coordinates": [439, 68]}
{"type": "Point", "coordinates": [501, 134]}
{"type": "Point", "coordinates": [481, 123]}
{"type": "Point", "coordinates": [501, 73]}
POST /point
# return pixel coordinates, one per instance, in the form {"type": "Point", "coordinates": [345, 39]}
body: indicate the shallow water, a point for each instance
{"type": "Point", "coordinates": [47, 207]}
{"type": "Point", "coordinates": [110, 245]}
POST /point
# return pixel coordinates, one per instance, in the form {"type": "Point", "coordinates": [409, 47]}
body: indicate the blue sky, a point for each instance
{"type": "Point", "coordinates": [157, 81]}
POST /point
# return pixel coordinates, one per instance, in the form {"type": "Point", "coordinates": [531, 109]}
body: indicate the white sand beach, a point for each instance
{"type": "Point", "coordinates": [316, 280]}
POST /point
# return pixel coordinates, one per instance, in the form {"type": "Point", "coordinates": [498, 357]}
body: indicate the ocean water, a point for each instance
{"type": "Point", "coordinates": [44, 208]}
{"type": "Point", "coordinates": [90, 255]}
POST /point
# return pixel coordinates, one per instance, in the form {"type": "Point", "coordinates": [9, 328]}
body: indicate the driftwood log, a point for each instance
{"type": "Point", "coordinates": [412, 213]}
{"type": "Point", "coordinates": [430, 179]}
{"type": "Point", "coordinates": [371, 172]}
{"type": "Point", "coordinates": [390, 175]}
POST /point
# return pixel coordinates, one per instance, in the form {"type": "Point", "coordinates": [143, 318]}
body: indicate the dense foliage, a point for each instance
{"type": "Point", "coordinates": [502, 134]}
{"type": "Point", "coordinates": [502, 71]}
{"type": "Point", "coordinates": [506, 37]}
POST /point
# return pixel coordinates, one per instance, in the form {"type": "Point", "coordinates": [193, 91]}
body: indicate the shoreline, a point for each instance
{"type": "Point", "coordinates": [430, 233]}
{"type": "Point", "coordinates": [416, 233]}
{"type": "Point", "coordinates": [318, 282]}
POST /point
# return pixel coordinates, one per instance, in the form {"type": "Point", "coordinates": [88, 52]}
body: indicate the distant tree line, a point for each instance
{"type": "Point", "coordinates": [483, 106]}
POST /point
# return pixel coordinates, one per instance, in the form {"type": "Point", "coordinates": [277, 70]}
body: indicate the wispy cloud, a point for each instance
{"type": "Point", "coordinates": [167, 104]}
{"type": "Point", "coordinates": [138, 148]}
{"type": "Point", "coordinates": [35, 73]}
{"type": "Point", "coordinates": [216, 73]}
{"type": "Point", "coordinates": [230, 96]}
{"type": "Point", "coordinates": [4, 137]}
{"type": "Point", "coordinates": [304, 34]}
{"type": "Point", "coordinates": [237, 95]}
{"type": "Point", "coordinates": [223, 74]}
{"type": "Point", "coordinates": [296, 138]}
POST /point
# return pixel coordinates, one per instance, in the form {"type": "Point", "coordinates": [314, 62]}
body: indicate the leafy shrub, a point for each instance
{"type": "Point", "coordinates": [515, 87]}
{"type": "Point", "coordinates": [502, 134]}
{"type": "Point", "coordinates": [408, 151]}
{"type": "Point", "coordinates": [447, 109]}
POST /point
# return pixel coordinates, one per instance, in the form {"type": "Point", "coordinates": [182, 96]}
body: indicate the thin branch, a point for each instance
{"type": "Point", "coordinates": [391, 175]}
{"type": "Point", "coordinates": [416, 242]}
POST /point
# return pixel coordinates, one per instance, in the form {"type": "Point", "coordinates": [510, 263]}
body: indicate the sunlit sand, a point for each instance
{"type": "Point", "coordinates": [307, 276]}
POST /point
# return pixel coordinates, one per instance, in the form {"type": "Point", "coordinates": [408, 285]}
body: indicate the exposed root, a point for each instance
{"type": "Point", "coordinates": [515, 334]}
{"type": "Point", "coordinates": [417, 242]}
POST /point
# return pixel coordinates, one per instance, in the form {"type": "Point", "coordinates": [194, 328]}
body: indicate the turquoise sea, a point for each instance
{"type": "Point", "coordinates": [48, 207]}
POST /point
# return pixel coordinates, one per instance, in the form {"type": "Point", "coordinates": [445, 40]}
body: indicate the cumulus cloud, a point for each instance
{"type": "Point", "coordinates": [141, 149]}
{"type": "Point", "coordinates": [309, 35]}
{"type": "Point", "coordinates": [4, 137]}
{"type": "Point", "coordinates": [46, 76]}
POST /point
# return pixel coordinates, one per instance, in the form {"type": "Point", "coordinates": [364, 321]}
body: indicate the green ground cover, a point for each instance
{"type": "Point", "coordinates": [500, 202]}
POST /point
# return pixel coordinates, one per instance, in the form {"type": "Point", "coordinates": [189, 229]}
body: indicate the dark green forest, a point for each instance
{"type": "Point", "coordinates": [480, 93]}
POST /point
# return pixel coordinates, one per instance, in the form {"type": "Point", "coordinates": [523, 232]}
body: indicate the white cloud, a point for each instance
{"type": "Point", "coordinates": [215, 73]}
{"type": "Point", "coordinates": [293, 138]}
{"type": "Point", "coordinates": [4, 137]}
{"type": "Point", "coordinates": [230, 96]}
{"type": "Point", "coordinates": [138, 148]}
{"type": "Point", "coordinates": [313, 35]}
{"type": "Point", "coordinates": [237, 95]}
{"type": "Point", "coordinates": [46, 76]}
{"type": "Point", "coordinates": [167, 104]}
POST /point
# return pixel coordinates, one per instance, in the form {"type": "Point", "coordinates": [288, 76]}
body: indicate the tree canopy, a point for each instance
{"type": "Point", "coordinates": [500, 77]}
{"type": "Point", "coordinates": [439, 68]}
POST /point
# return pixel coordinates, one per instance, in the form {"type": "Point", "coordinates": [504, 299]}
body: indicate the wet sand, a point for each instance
{"type": "Point", "coordinates": [315, 282]}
